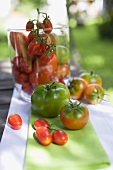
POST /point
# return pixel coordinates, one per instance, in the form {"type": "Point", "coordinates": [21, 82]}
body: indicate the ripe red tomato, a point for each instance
{"type": "Point", "coordinates": [31, 36]}
{"type": "Point", "coordinates": [48, 68]}
{"type": "Point", "coordinates": [19, 42]}
{"type": "Point", "coordinates": [35, 49]}
{"type": "Point", "coordinates": [41, 122]}
{"type": "Point", "coordinates": [15, 121]}
{"type": "Point", "coordinates": [48, 25]}
{"type": "Point", "coordinates": [92, 78]}
{"type": "Point", "coordinates": [29, 25]}
{"type": "Point", "coordinates": [43, 135]}
{"type": "Point", "coordinates": [76, 87]}
{"type": "Point", "coordinates": [59, 137]}
{"type": "Point", "coordinates": [27, 88]}
{"type": "Point", "coordinates": [24, 77]}
{"type": "Point", "coordinates": [74, 115]}
{"type": "Point", "coordinates": [94, 93]}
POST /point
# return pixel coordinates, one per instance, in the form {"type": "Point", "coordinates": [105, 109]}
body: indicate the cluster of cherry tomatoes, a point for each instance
{"type": "Point", "coordinates": [44, 136]}
{"type": "Point", "coordinates": [88, 86]}
{"type": "Point", "coordinates": [36, 61]}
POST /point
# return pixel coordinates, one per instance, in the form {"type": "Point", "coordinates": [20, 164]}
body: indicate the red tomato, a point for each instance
{"type": "Point", "coordinates": [16, 74]}
{"type": "Point", "coordinates": [48, 25]}
{"type": "Point", "coordinates": [43, 135]}
{"type": "Point", "coordinates": [63, 71]}
{"type": "Point", "coordinates": [74, 115]}
{"type": "Point", "coordinates": [31, 36]}
{"type": "Point", "coordinates": [48, 68]}
{"type": "Point", "coordinates": [33, 76]}
{"type": "Point", "coordinates": [15, 121]}
{"type": "Point", "coordinates": [77, 87]}
{"type": "Point", "coordinates": [29, 25]}
{"type": "Point", "coordinates": [19, 42]}
{"type": "Point", "coordinates": [59, 137]}
{"type": "Point", "coordinates": [35, 49]}
{"type": "Point", "coordinates": [94, 93]}
{"type": "Point", "coordinates": [41, 122]}
{"type": "Point", "coordinates": [26, 65]}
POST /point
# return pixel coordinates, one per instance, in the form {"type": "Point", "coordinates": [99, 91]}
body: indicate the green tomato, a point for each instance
{"type": "Point", "coordinates": [48, 99]}
{"type": "Point", "coordinates": [62, 54]}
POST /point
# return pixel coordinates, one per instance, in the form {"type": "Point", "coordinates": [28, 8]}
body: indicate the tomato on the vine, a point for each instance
{"type": "Point", "coordinates": [35, 48]}
{"type": "Point", "coordinates": [94, 93]}
{"type": "Point", "coordinates": [41, 122]}
{"type": "Point", "coordinates": [76, 87]}
{"type": "Point", "coordinates": [15, 121]}
{"type": "Point", "coordinates": [29, 25]}
{"type": "Point", "coordinates": [47, 25]}
{"type": "Point", "coordinates": [59, 137]}
{"type": "Point", "coordinates": [92, 78]}
{"type": "Point", "coordinates": [74, 115]}
{"type": "Point", "coordinates": [43, 135]}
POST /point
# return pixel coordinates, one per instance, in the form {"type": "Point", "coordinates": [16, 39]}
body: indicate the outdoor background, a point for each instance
{"type": "Point", "coordinates": [91, 30]}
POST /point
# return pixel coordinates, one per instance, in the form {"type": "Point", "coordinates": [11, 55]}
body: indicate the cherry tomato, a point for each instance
{"type": "Point", "coordinates": [43, 135]}
{"type": "Point", "coordinates": [15, 121]}
{"type": "Point", "coordinates": [77, 87]}
{"type": "Point", "coordinates": [74, 115]}
{"type": "Point", "coordinates": [63, 71]}
{"type": "Point", "coordinates": [25, 65]}
{"type": "Point", "coordinates": [31, 36]}
{"type": "Point", "coordinates": [48, 25]}
{"type": "Point", "coordinates": [92, 78]}
{"type": "Point", "coordinates": [59, 137]}
{"type": "Point", "coordinates": [35, 49]}
{"type": "Point", "coordinates": [16, 73]}
{"type": "Point", "coordinates": [19, 42]}
{"type": "Point", "coordinates": [94, 93]}
{"type": "Point", "coordinates": [41, 122]}
{"type": "Point", "coordinates": [29, 25]}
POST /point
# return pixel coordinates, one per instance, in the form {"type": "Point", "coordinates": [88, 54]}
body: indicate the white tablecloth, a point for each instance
{"type": "Point", "coordinates": [13, 143]}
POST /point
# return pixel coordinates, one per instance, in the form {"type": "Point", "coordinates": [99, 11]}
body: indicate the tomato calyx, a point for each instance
{"type": "Point", "coordinates": [50, 86]}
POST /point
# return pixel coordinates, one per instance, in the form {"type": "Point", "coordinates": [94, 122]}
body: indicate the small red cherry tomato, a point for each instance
{"type": "Point", "coordinates": [41, 122]}
{"type": "Point", "coordinates": [43, 135]}
{"type": "Point", "coordinates": [15, 121]}
{"type": "Point", "coordinates": [59, 137]}
{"type": "Point", "coordinates": [48, 25]}
{"type": "Point", "coordinates": [29, 25]}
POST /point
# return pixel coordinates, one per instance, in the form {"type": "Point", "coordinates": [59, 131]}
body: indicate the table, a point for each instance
{"type": "Point", "coordinates": [101, 118]}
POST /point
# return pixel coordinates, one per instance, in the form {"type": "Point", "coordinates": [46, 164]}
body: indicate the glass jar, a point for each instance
{"type": "Point", "coordinates": [37, 60]}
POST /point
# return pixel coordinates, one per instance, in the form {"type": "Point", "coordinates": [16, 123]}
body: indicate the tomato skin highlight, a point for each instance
{"type": "Point", "coordinates": [41, 122]}
{"type": "Point", "coordinates": [59, 137]}
{"type": "Point", "coordinates": [43, 135]}
{"type": "Point", "coordinates": [94, 93]}
{"type": "Point", "coordinates": [74, 116]}
{"type": "Point", "coordinates": [15, 121]}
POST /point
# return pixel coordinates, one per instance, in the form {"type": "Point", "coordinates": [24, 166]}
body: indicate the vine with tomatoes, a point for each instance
{"type": "Point", "coordinates": [38, 54]}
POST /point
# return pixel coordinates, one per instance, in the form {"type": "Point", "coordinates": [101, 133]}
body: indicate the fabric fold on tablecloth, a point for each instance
{"type": "Point", "coordinates": [83, 151]}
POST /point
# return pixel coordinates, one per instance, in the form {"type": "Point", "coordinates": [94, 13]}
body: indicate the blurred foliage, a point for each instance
{"type": "Point", "coordinates": [105, 28]}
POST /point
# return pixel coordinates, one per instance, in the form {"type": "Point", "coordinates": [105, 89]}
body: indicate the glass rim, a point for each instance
{"type": "Point", "coordinates": [54, 27]}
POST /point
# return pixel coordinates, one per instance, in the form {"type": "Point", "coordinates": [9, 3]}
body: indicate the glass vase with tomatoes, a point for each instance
{"type": "Point", "coordinates": [39, 53]}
